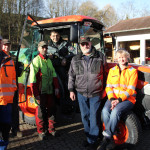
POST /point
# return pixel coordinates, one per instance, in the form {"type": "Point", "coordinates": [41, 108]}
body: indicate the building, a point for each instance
{"type": "Point", "coordinates": [134, 36]}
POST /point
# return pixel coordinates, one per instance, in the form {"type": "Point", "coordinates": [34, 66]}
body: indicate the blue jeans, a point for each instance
{"type": "Point", "coordinates": [112, 117]}
{"type": "Point", "coordinates": [90, 115]}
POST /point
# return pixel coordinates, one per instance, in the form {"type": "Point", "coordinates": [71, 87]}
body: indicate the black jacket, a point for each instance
{"type": "Point", "coordinates": [61, 47]}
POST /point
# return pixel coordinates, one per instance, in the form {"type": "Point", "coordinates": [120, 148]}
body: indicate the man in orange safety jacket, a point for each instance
{"type": "Point", "coordinates": [7, 89]}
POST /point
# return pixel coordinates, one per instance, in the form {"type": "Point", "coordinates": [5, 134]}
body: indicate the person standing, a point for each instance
{"type": "Point", "coordinates": [60, 46]}
{"type": "Point", "coordinates": [42, 78]}
{"type": "Point", "coordinates": [7, 88]}
{"type": "Point", "coordinates": [15, 112]}
{"type": "Point", "coordinates": [86, 77]}
{"type": "Point", "coordinates": [61, 63]}
{"type": "Point", "coordinates": [121, 91]}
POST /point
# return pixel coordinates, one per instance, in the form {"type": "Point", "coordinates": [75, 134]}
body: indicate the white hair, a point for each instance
{"type": "Point", "coordinates": [123, 52]}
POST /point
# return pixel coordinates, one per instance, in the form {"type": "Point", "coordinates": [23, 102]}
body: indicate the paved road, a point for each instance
{"type": "Point", "coordinates": [71, 137]}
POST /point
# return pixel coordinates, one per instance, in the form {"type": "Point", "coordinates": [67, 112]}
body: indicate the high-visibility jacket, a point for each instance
{"type": "Point", "coordinates": [42, 76]}
{"type": "Point", "coordinates": [7, 79]}
{"type": "Point", "coordinates": [122, 84]}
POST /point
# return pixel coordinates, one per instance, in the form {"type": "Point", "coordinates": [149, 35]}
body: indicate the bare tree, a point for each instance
{"type": "Point", "coordinates": [107, 16]}
{"type": "Point", "coordinates": [12, 14]}
{"type": "Point", "coordinates": [145, 12]}
{"type": "Point", "coordinates": [128, 10]}
{"type": "Point", "coordinates": [1, 15]}
{"type": "Point", "coordinates": [55, 8]}
{"type": "Point", "coordinates": [88, 8]}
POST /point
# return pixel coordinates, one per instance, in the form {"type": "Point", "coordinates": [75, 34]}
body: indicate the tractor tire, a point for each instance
{"type": "Point", "coordinates": [27, 119]}
{"type": "Point", "coordinates": [130, 131]}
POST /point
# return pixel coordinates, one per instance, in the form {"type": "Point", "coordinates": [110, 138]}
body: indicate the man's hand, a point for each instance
{"type": "Point", "coordinates": [57, 92]}
{"type": "Point", "coordinates": [72, 96]}
{"type": "Point", "coordinates": [63, 62]}
{"type": "Point", "coordinates": [114, 103]}
{"type": "Point", "coordinates": [51, 56]}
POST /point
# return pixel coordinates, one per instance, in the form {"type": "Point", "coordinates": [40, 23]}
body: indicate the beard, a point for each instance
{"type": "Point", "coordinates": [86, 51]}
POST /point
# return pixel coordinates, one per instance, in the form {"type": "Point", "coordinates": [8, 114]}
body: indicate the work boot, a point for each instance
{"type": "Point", "coordinates": [93, 146]}
{"type": "Point", "coordinates": [104, 143]}
{"type": "Point", "coordinates": [111, 145]}
{"type": "Point", "coordinates": [54, 134]}
{"type": "Point", "coordinates": [85, 143]}
{"type": "Point", "coordinates": [42, 136]}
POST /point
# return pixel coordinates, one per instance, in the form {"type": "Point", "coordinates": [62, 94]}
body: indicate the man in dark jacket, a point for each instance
{"type": "Point", "coordinates": [61, 48]}
{"type": "Point", "coordinates": [86, 77]}
{"type": "Point", "coordinates": [61, 62]}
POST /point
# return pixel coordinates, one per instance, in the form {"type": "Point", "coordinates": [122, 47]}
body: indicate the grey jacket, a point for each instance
{"type": "Point", "coordinates": [87, 78]}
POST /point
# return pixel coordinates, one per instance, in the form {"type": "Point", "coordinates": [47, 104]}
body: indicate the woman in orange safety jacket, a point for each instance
{"type": "Point", "coordinates": [7, 89]}
{"type": "Point", "coordinates": [120, 88]}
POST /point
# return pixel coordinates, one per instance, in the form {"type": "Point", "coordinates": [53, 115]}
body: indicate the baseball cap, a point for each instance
{"type": "Point", "coordinates": [6, 41]}
{"type": "Point", "coordinates": [42, 43]}
{"type": "Point", "coordinates": [84, 39]}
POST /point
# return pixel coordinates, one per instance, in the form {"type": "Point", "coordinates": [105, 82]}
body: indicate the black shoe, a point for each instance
{"type": "Point", "coordinates": [93, 146]}
{"type": "Point", "coordinates": [104, 143]}
{"type": "Point", "coordinates": [111, 145]}
{"type": "Point", "coordinates": [85, 143]}
{"type": "Point", "coordinates": [42, 136]}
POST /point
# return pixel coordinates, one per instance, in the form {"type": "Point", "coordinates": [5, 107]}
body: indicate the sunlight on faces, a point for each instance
{"type": "Point", "coordinates": [43, 50]}
{"type": "Point", "coordinates": [85, 47]}
{"type": "Point", "coordinates": [6, 48]}
{"type": "Point", "coordinates": [122, 57]}
{"type": "Point", "coordinates": [55, 36]}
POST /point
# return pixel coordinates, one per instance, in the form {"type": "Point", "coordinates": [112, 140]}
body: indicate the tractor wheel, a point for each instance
{"type": "Point", "coordinates": [27, 118]}
{"type": "Point", "coordinates": [128, 131]}
{"type": "Point", "coordinates": [27, 108]}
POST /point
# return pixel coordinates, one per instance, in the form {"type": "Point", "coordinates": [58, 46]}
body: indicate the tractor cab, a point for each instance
{"type": "Point", "coordinates": [70, 29]}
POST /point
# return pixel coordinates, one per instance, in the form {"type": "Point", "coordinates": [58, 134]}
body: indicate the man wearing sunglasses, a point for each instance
{"type": "Point", "coordinates": [86, 77]}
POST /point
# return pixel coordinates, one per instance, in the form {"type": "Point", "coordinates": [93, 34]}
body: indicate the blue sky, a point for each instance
{"type": "Point", "coordinates": [117, 3]}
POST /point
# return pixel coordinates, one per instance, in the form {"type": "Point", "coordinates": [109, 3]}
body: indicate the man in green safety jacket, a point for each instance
{"type": "Point", "coordinates": [42, 79]}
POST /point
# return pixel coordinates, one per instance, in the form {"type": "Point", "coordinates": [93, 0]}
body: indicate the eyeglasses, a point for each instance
{"type": "Point", "coordinates": [84, 43]}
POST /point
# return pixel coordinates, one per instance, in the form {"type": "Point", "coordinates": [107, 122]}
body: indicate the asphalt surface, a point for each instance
{"type": "Point", "coordinates": [71, 137]}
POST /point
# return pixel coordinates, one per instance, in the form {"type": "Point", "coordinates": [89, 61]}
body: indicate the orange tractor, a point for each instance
{"type": "Point", "coordinates": [71, 28]}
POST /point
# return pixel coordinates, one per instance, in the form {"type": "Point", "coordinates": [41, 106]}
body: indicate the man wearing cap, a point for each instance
{"type": "Point", "coordinates": [42, 78]}
{"type": "Point", "coordinates": [7, 88]}
{"type": "Point", "coordinates": [86, 77]}
{"type": "Point", "coordinates": [6, 46]}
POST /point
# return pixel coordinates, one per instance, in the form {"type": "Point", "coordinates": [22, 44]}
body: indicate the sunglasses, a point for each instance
{"type": "Point", "coordinates": [84, 43]}
{"type": "Point", "coordinates": [45, 46]}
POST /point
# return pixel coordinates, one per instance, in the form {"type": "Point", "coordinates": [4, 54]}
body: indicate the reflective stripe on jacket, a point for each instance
{"type": "Point", "coordinates": [7, 79]}
{"type": "Point", "coordinates": [43, 68]}
{"type": "Point", "coordinates": [122, 84]}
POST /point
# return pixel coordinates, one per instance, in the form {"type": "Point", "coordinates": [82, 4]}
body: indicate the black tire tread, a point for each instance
{"type": "Point", "coordinates": [26, 119]}
{"type": "Point", "coordinates": [134, 128]}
